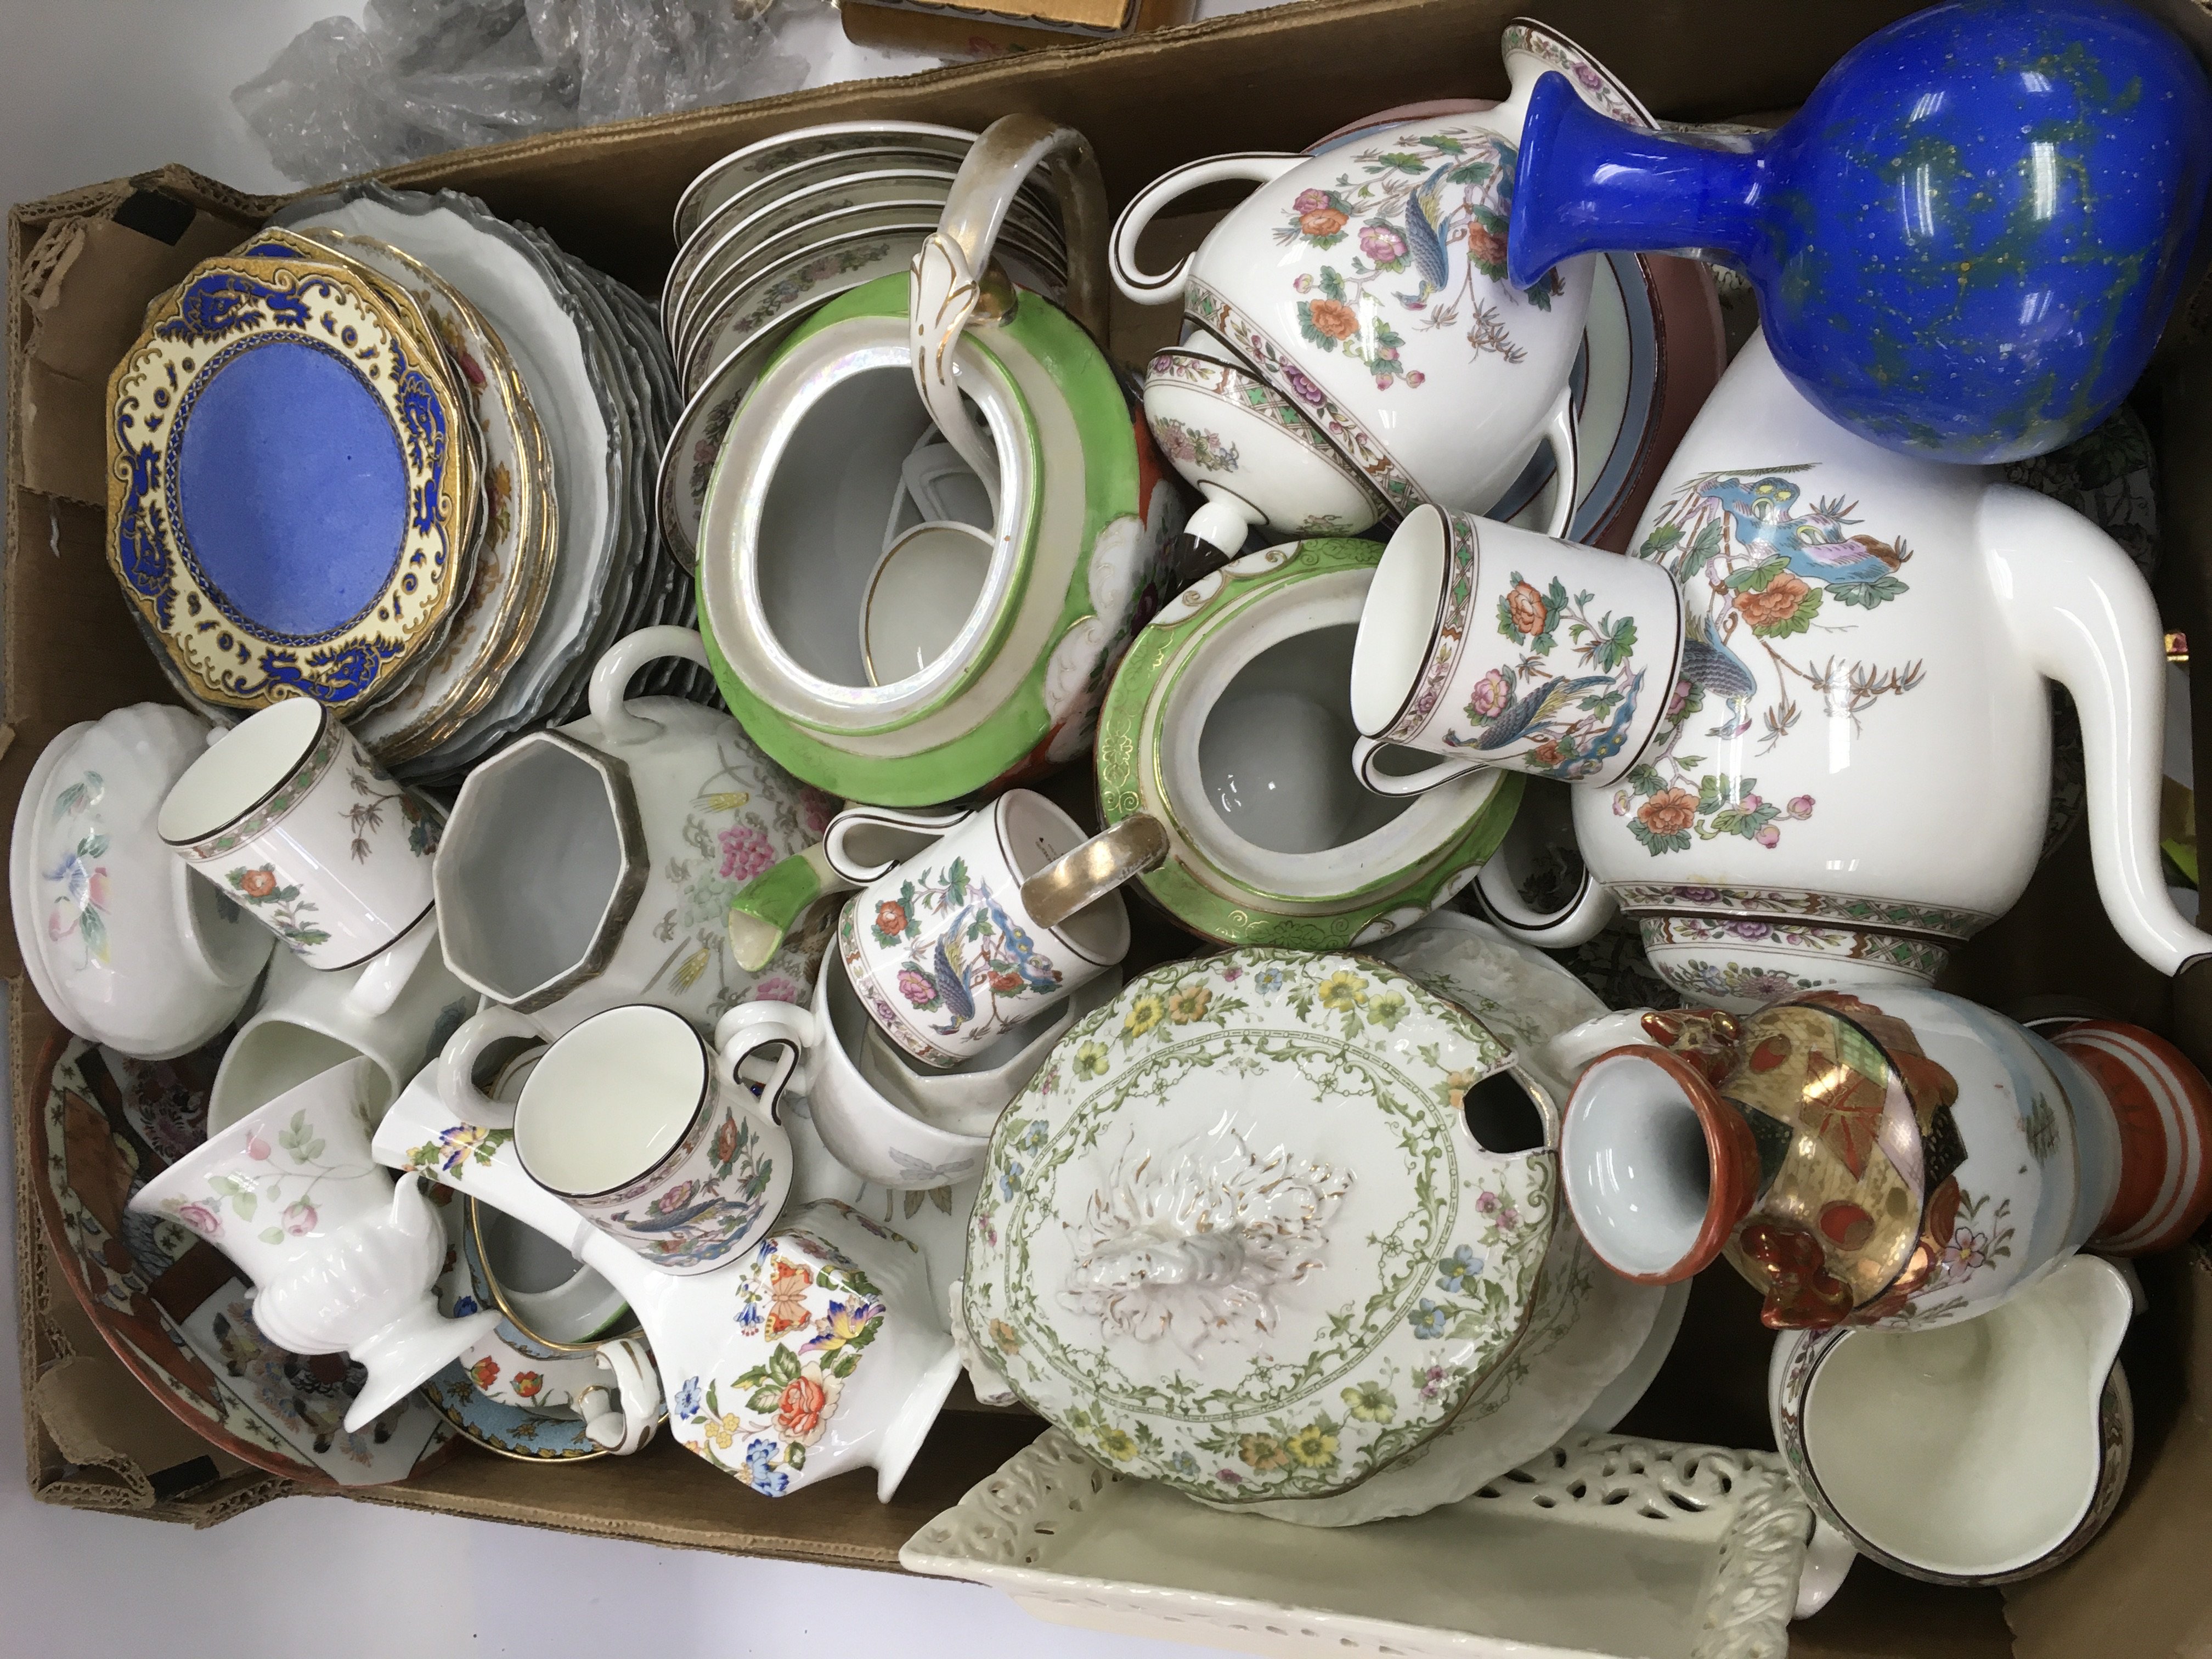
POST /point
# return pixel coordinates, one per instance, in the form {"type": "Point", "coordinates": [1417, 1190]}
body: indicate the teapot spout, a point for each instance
{"type": "Point", "coordinates": [1587, 184]}
{"type": "Point", "coordinates": [2083, 616]}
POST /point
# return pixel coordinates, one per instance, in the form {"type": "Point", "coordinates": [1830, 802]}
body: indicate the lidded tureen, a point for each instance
{"type": "Point", "coordinates": [1238, 1236]}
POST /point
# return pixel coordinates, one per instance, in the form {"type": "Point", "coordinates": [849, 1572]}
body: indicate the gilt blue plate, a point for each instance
{"type": "Point", "coordinates": [287, 487]}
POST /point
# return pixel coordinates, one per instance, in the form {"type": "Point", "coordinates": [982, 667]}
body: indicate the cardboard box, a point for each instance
{"type": "Point", "coordinates": [82, 266]}
{"type": "Point", "coordinates": [975, 28]}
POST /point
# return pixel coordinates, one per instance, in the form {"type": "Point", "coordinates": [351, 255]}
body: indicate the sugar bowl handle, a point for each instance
{"type": "Point", "coordinates": [619, 663]}
{"type": "Point", "coordinates": [955, 284]}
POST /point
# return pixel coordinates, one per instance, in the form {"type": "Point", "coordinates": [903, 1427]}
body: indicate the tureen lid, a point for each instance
{"type": "Point", "coordinates": [1236, 1235]}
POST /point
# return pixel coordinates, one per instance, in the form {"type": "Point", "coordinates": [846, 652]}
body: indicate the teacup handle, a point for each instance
{"type": "Point", "coordinates": [1261, 167]}
{"type": "Point", "coordinates": [752, 1026]}
{"type": "Point", "coordinates": [1580, 919]}
{"type": "Point", "coordinates": [769, 905]}
{"type": "Point", "coordinates": [1559, 438]}
{"type": "Point", "coordinates": [620, 662]}
{"type": "Point", "coordinates": [457, 1065]}
{"type": "Point", "coordinates": [388, 974]}
{"type": "Point", "coordinates": [1073, 880]}
{"type": "Point", "coordinates": [1364, 751]}
{"type": "Point", "coordinates": [624, 1430]}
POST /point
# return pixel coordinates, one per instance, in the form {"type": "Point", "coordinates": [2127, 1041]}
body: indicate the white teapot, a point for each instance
{"type": "Point", "coordinates": [1858, 771]}
{"type": "Point", "coordinates": [1367, 286]}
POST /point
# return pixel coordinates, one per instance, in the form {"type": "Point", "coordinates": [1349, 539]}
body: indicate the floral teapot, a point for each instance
{"type": "Point", "coordinates": [1367, 286]}
{"type": "Point", "coordinates": [1853, 774]}
{"type": "Point", "coordinates": [904, 602]}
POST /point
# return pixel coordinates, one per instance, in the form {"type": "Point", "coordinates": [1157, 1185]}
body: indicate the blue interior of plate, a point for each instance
{"type": "Point", "coordinates": [292, 489]}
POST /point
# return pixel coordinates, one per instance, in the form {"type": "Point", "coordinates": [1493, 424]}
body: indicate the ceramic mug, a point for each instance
{"type": "Point", "coordinates": [1498, 647]}
{"type": "Point", "coordinates": [342, 1260]}
{"type": "Point", "coordinates": [293, 822]}
{"type": "Point", "coordinates": [308, 1022]}
{"type": "Point", "coordinates": [942, 947]}
{"type": "Point", "coordinates": [865, 1129]}
{"type": "Point", "coordinates": [640, 1128]}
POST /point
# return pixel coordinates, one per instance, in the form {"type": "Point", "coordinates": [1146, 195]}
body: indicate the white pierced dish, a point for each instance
{"type": "Point", "coordinates": [1599, 1547]}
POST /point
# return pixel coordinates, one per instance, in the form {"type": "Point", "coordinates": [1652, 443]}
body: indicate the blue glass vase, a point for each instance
{"type": "Point", "coordinates": [1965, 245]}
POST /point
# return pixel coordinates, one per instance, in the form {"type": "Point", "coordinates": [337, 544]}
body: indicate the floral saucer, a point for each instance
{"type": "Point", "coordinates": [1237, 1235]}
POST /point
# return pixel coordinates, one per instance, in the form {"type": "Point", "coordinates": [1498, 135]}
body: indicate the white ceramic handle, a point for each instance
{"type": "Point", "coordinates": [611, 677]}
{"type": "Point", "coordinates": [1364, 750]}
{"type": "Point", "coordinates": [457, 1065]}
{"type": "Point", "coordinates": [2084, 617]}
{"type": "Point", "coordinates": [624, 1427]}
{"type": "Point", "coordinates": [752, 1026]}
{"type": "Point", "coordinates": [371, 995]}
{"type": "Point", "coordinates": [1581, 919]}
{"type": "Point", "coordinates": [1559, 438]}
{"type": "Point", "coordinates": [918, 829]}
{"type": "Point", "coordinates": [1569, 1052]}
{"type": "Point", "coordinates": [1261, 167]}
{"type": "Point", "coordinates": [1828, 1559]}
{"type": "Point", "coordinates": [949, 271]}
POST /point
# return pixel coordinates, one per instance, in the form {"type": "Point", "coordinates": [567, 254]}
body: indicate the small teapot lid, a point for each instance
{"type": "Point", "coordinates": [1236, 1235]}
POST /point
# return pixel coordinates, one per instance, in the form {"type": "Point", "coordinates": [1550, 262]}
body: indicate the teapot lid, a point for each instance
{"type": "Point", "coordinates": [1237, 1235]}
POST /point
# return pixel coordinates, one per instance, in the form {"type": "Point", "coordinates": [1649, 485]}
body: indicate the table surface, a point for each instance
{"type": "Point", "coordinates": [96, 92]}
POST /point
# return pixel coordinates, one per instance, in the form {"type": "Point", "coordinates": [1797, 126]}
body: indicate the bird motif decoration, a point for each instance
{"type": "Point", "coordinates": [1573, 726]}
{"type": "Point", "coordinates": [980, 957]}
{"type": "Point", "coordinates": [1768, 524]}
{"type": "Point", "coordinates": [1709, 664]}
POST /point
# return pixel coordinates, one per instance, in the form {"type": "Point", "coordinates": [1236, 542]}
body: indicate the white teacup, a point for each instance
{"type": "Point", "coordinates": [640, 1128]}
{"type": "Point", "coordinates": [967, 925]}
{"type": "Point", "coordinates": [1497, 647]}
{"type": "Point", "coordinates": [293, 822]}
{"type": "Point", "coordinates": [865, 1130]}
{"type": "Point", "coordinates": [308, 1022]}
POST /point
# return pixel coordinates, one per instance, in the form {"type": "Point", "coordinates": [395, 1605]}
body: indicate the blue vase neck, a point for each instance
{"type": "Point", "coordinates": [1587, 184]}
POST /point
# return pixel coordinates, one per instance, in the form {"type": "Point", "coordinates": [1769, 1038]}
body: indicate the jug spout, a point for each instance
{"type": "Point", "coordinates": [2083, 616]}
{"type": "Point", "coordinates": [1587, 184]}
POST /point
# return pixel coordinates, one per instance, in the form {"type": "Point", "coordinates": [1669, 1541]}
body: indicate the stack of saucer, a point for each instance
{"type": "Point", "coordinates": [772, 231]}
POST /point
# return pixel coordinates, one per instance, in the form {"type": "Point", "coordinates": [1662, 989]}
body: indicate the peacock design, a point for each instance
{"type": "Point", "coordinates": [1759, 566]}
{"type": "Point", "coordinates": [965, 958]}
{"type": "Point", "coordinates": [1568, 724]}
{"type": "Point", "coordinates": [1428, 217]}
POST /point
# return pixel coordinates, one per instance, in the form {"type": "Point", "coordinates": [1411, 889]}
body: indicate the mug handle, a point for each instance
{"type": "Point", "coordinates": [370, 996]}
{"type": "Point", "coordinates": [1559, 438]}
{"type": "Point", "coordinates": [1580, 919]}
{"type": "Point", "coordinates": [1404, 783]}
{"type": "Point", "coordinates": [1073, 880]}
{"type": "Point", "coordinates": [624, 1428]}
{"type": "Point", "coordinates": [1260, 167]}
{"type": "Point", "coordinates": [752, 1026]}
{"type": "Point", "coordinates": [953, 280]}
{"type": "Point", "coordinates": [611, 676]}
{"type": "Point", "coordinates": [769, 905]}
{"type": "Point", "coordinates": [457, 1065]}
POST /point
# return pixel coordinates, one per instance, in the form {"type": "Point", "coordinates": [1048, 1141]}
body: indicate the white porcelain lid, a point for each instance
{"type": "Point", "coordinates": [1237, 1236]}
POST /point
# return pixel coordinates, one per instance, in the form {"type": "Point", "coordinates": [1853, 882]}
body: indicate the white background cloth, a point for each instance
{"type": "Point", "coordinates": [96, 90]}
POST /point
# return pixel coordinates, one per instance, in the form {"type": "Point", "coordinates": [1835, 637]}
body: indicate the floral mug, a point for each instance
{"type": "Point", "coordinates": [993, 917]}
{"type": "Point", "coordinates": [293, 822]}
{"type": "Point", "coordinates": [643, 1129]}
{"type": "Point", "coordinates": [1497, 647]}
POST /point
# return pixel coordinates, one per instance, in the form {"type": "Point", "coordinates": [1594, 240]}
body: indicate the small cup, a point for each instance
{"type": "Point", "coordinates": [866, 1131]}
{"type": "Point", "coordinates": [942, 949]}
{"type": "Point", "coordinates": [1498, 647]}
{"type": "Point", "coordinates": [293, 822]}
{"type": "Point", "coordinates": [642, 1129]}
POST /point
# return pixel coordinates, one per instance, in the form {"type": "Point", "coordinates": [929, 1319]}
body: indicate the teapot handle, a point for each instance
{"type": "Point", "coordinates": [952, 285]}
{"type": "Point", "coordinates": [1261, 167]}
{"type": "Point", "coordinates": [769, 905]}
{"type": "Point", "coordinates": [611, 676]}
{"type": "Point", "coordinates": [2084, 617]}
